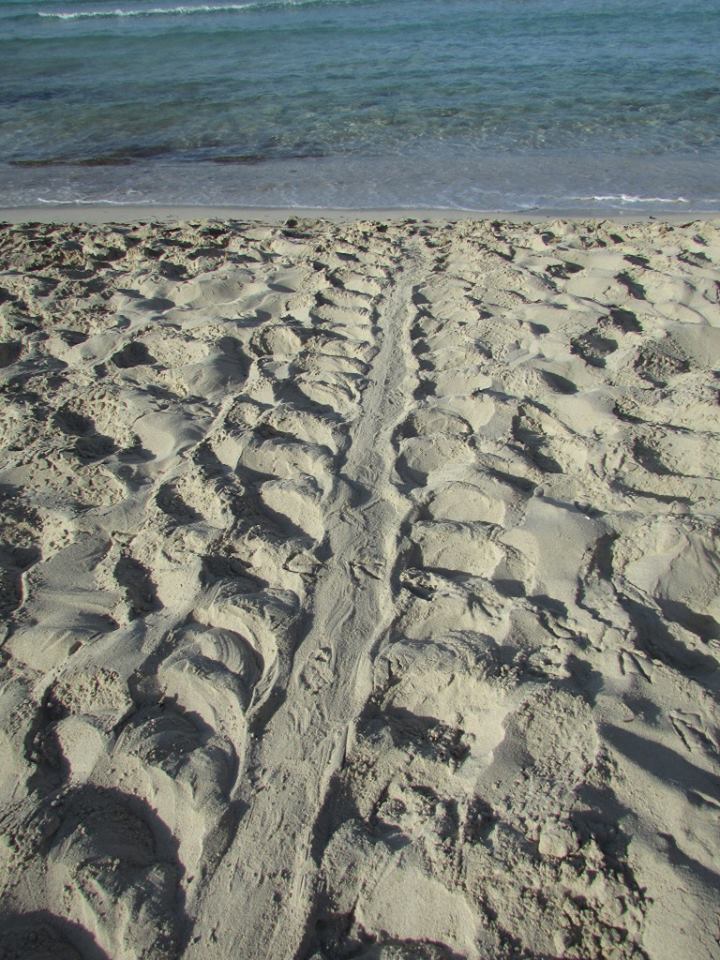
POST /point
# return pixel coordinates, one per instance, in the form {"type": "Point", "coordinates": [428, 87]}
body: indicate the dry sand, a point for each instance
{"type": "Point", "coordinates": [359, 587]}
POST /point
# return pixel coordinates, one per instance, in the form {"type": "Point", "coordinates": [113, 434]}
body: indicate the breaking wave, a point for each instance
{"type": "Point", "coordinates": [182, 10]}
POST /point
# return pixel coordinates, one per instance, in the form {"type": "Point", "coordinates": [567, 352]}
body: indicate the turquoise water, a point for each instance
{"type": "Point", "coordinates": [478, 104]}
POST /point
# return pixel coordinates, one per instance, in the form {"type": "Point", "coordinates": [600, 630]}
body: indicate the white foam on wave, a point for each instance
{"type": "Point", "coordinates": [630, 198]}
{"type": "Point", "coordinates": [148, 11]}
{"type": "Point", "coordinates": [182, 10]}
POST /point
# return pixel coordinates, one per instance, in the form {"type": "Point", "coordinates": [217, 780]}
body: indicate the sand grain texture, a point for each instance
{"type": "Point", "coordinates": [359, 587]}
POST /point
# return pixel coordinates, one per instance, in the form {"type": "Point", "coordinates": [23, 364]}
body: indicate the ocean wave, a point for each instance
{"type": "Point", "coordinates": [630, 198]}
{"type": "Point", "coordinates": [79, 201]}
{"type": "Point", "coordinates": [180, 11]}
{"type": "Point", "coordinates": [147, 11]}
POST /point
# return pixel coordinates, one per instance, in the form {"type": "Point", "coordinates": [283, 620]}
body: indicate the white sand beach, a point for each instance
{"type": "Point", "coordinates": [360, 590]}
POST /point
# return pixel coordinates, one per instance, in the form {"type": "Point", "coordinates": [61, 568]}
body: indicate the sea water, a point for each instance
{"type": "Point", "coordinates": [563, 105]}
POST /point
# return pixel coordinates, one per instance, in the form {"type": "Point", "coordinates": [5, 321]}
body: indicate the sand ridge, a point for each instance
{"type": "Point", "coordinates": [360, 590]}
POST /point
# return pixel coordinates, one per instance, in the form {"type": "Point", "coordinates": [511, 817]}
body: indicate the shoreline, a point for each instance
{"type": "Point", "coordinates": [104, 213]}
